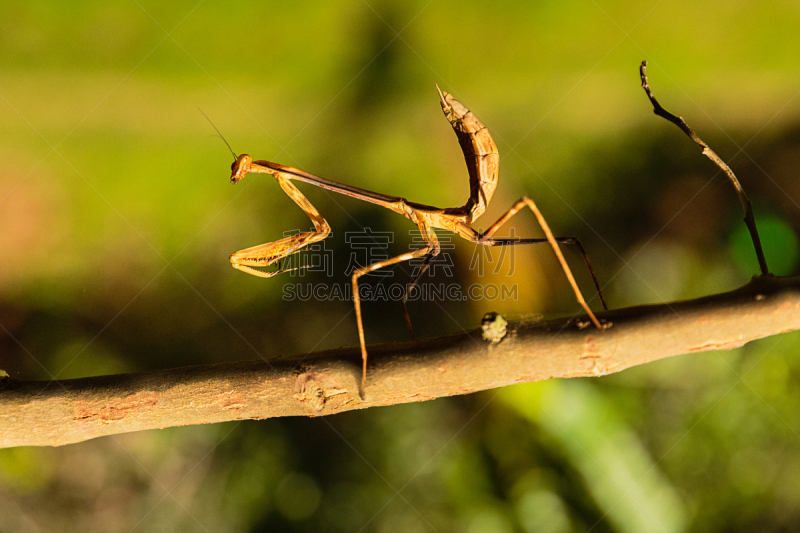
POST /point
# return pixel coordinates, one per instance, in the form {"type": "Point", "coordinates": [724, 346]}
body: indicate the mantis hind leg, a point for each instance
{"type": "Point", "coordinates": [486, 239]}
{"type": "Point", "coordinates": [559, 240]}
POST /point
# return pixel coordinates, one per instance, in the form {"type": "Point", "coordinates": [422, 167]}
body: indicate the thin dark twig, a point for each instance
{"type": "Point", "coordinates": [749, 219]}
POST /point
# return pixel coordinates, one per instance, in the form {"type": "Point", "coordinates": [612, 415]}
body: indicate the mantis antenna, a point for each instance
{"type": "Point", "coordinates": [220, 134]}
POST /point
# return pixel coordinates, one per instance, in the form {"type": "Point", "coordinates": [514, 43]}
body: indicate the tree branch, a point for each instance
{"type": "Point", "coordinates": [749, 219]}
{"type": "Point", "coordinates": [43, 413]}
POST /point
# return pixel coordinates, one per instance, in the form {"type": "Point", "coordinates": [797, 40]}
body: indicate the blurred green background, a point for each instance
{"type": "Point", "coordinates": [117, 219]}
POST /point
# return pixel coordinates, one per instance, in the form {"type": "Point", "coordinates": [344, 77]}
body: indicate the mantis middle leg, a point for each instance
{"type": "Point", "coordinates": [431, 249]}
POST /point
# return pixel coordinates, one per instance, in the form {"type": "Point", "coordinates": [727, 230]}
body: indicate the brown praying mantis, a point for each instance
{"type": "Point", "coordinates": [482, 160]}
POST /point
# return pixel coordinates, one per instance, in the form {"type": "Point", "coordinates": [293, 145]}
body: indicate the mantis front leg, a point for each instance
{"type": "Point", "coordinates": [266, 254]}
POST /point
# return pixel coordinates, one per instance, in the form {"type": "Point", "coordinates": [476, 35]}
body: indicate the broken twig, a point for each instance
{"type": "Point", "coordinates": [749, 219]}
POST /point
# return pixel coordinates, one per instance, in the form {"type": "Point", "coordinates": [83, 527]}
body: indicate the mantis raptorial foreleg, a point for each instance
{"type": "Point", "coordinates": [266, 254]}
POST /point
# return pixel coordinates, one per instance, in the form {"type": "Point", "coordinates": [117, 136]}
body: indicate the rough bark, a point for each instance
{"type": "Point", "coordinates": [323, 383]}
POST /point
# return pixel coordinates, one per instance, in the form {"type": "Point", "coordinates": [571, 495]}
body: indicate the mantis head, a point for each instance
{"type": "Point", "coordinates": [240, 168]}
